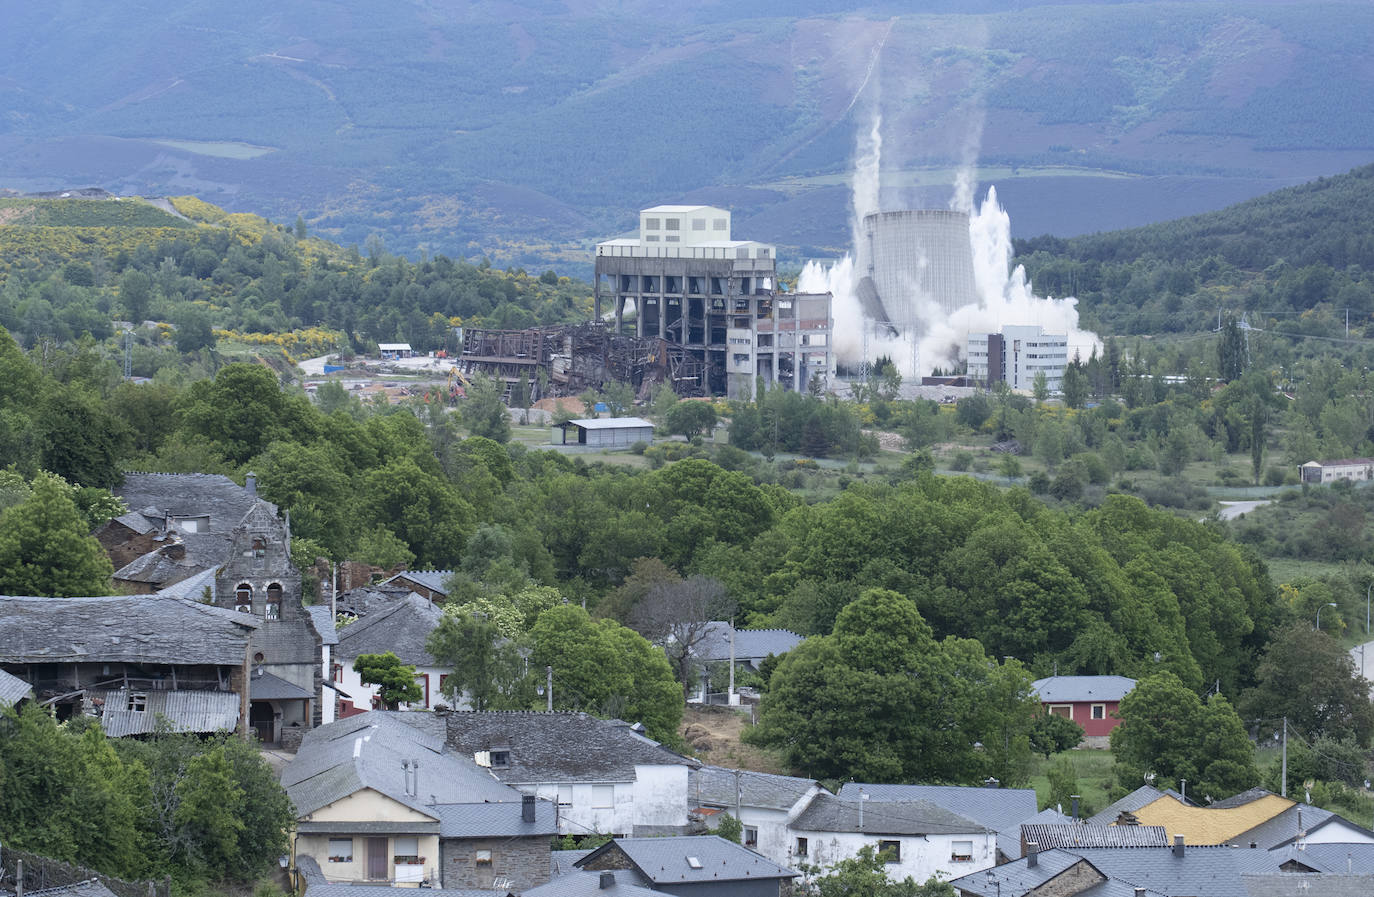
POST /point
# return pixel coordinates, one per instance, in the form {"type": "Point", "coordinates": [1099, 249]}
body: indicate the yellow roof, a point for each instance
{"type": "Point", "coordinates": [1208, 825]}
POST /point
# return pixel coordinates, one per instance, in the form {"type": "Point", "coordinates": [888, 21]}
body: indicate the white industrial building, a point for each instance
{"type": "Point", "coordinates": [605, 432]}
{"type": "Point", "coordinates": [1016, 355]}
{"type": "Point", "coordinates": [1355, 469]}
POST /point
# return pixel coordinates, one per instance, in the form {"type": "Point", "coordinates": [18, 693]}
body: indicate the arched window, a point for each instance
{"type": "Point", "coordinates": [273, 607]}
{"type": "Point", "coordinates": [243, 598]}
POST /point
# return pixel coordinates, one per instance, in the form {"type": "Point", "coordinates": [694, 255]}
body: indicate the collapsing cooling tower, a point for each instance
{"type": "Point", "coordinates": [919, 258]}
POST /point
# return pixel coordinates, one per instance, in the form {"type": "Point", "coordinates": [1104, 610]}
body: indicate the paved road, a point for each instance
{"type": "Point", "coordinates": [1230, 510]}
{"type": "Point", "coordinates": [1363, 655]}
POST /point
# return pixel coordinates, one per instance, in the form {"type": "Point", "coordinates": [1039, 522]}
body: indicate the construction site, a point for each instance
{"type": "Point", "coordinates": [688, 307]}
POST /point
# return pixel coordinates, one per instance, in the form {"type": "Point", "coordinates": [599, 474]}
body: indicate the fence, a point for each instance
{"type": "Point", "coordinates": [42, 872]}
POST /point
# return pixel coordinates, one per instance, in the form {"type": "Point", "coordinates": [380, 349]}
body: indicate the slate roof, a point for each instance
{"type": "Point", "coordinates": [1140, 797]}
{"type": "Point", "coordinates": [317, 886]}
{"type": "Point", "coordinates": [715, 644]}
{"type": "Point", "coordinates": [402, 627]}
{"type": "Point", "coordinates": [430, 579]}
{"type": "Point", "coordinates": [1017, 877]}
{"type": "Point", "coordinates": [266, 687]}
{"type": "Point", "coordinates": [716, 785]}
{"type": "Point", "coordinates": [557, 747]}
{"type": "Point", "coordinates": [1071, 835]}
{"type": "Point", "coordinates": [192, 587]}
{"type": "Point", "coordinates": [584, 884]}
{"type": "Point", "coordinates": [1282, 885]}
{"type": "Point", "coordinates": [186, 711]}
{"type": "Point", "coordinates": [828, 813]}
{"type": "Point", "coordinates": [564, 862]}
{"type": "Point", "coordinates": [357, 602]}
{"type": "Point", "coordinates": [121, 629]}
{"type": "Point", "coordinates": [1001, 809]}
{"type": "Point", "coordinates": [366, 751]}
{"type": "Point", "coordinates": [13, 690]}
{"type": "Point", "coordinates": [664, 861]}
{"type": "Point", "coordinates": [93, 887]}
{"type": "Point", "coordinates": [188, 495]}
{"type": "Point", "coordinates": [1335, 857]}
{"type": "Point", "coordinates": [323, 621]}
{"type": "Point", "coordinates": [163, 566]}
{"type": "Point", "coordinates": [1284, 827]}
{"type": "Point", "coordinates": [1070, 689]}
{"type": "Point", "coordinates": [495, 820]}
{"type": "Point", "coordinates": [1210, 871]}
{"type": "Point", "coordinates": [287, 642]}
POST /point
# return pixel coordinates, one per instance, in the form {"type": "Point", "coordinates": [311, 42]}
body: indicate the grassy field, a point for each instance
{"type": "Point", "coordinates": [1095, 779]}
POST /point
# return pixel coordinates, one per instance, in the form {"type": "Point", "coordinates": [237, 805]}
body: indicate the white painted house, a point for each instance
{"type": "Point", "coordinates": [917, 838]}
{"type": "Point", "coordinates": [765, 805]}
{"type": "Point", "coordinates": [401, 626]}
{"type": "Point", "coordinates": [606, 776]}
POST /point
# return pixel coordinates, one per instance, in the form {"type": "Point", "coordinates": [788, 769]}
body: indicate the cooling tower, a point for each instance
{"type": "Point", "coordinates": [919, 259]}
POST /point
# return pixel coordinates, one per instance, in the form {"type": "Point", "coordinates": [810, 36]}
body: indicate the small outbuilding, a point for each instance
{"type": "Point", "coordinates": [605, 432]}
{"type": "Point", "coordinates": [1354, 469]}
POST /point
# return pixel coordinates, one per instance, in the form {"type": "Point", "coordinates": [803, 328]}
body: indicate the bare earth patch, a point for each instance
{"type": "Point", "coordinates": [714, 734]}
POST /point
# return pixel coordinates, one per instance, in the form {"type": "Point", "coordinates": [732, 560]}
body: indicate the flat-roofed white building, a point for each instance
{"type": "Point", "coordinates": [1016, 355]}
{"type": "Point", "coordinates": [606, 432]}
{"type": "Point", "coordinates": [1354, 469]}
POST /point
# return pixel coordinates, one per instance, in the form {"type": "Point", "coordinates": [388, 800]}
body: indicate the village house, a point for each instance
{"type": "Point", "coordinates": [1090, 701]}
{"type": "Point", "coordinates": [1003, 810]}
{"type": "Point", "coordinates": [430, 584]}
{"type": "Point", "coordinates": [693, 866]}
{"type": "Point", "coordinates": [382, 800]}
{"type": "Point", "coordinates": [606, 776]}
{"type": "Point", "coordinates": [402, 625]}
{"type": "Point", "coordinates": [764, 804]}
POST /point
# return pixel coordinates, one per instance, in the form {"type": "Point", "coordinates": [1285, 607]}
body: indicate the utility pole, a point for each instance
{"type": "Point", "coordinates": [548, 687]}
{"type": "Point", "coordinates": [1283, 782]}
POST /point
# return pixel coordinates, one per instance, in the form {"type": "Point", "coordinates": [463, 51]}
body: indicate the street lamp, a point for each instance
{"type": "Point", "coordinates": [1319, 614]}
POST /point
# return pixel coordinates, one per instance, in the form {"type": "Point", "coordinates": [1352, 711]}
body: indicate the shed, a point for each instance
{"type": "Point", "coordinates": [606, 432]}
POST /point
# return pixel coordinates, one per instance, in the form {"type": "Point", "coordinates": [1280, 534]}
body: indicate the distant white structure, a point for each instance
{"type": "Point", "coordinates": [689, 232]}
{"type": "Point", "coordinates": [916, 257]}
{"type": "Point", "coordinates": [1016, 355]}
{"type": "Point", "coordinates": [1355, 469]}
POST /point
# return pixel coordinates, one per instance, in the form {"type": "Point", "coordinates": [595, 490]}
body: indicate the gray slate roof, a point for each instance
{"type": "Point", "coordinates": [557, 747]}
{"type": "Point", "coordinates": [13, 690]}
{"type": "Point", "coordinates": [193, 587]}
{"type": "Point", "coordinates": [401, 627]}
{"type": "Point", "coordinates": [564, 862]}
{"type": "Point", "coordinates": [1358, 858]}
{"type": "Point", "coordinates": [430, 579]}
{"type": "Point", "coordinates": [323, 621]}
{"type": "Point", "coordinates": [586, 884]}
{"type": "Point", "coordinates": [1068, 689]}
{"type": "Point", "coordinates": [828, 813]}
{"type": "Point", "coordinates": [715, 645]}
{"type": "Point", "coordinates": [266, 687]}
{"type": "Point", "coordinates": [1016, 878]}
{"type": "Point", "coordinates": [498, 820]}
{"type": "Point", "coordinates": [121, 629]}
{"type": "Point", "coordinates": [1282, 885]}
{"type": "Point", "coordinates": [1140, 797]}
{"type": "Point", "coordinates": [1001, 809]}
{"type": "Point", "coordinates": [188, 495]}
{"type": "Point", "coordinates": [317, 886]}
{"type": "Point", "coordinates": [715, 785]}
{"type": "Point", "coordinates": [664, 861]}
{"type": "Point", "coordinates": [357, 602]}
{"type": "Point", "coordinates": [186, 711]}
{"type": "Point", "coordinates": [162, 565]}
{"type": "Point", "coordinates": [1210, 871]}
{"type": "Point", "coordinates": [93, 887]}
{"type": "Point", "coordinates": [1071, 835]}
{"type": "Point", "coordinates": [366, 751]}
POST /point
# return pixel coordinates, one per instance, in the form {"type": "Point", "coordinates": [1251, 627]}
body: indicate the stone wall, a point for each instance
{"type": "Point", "coordinates": [521, 862]}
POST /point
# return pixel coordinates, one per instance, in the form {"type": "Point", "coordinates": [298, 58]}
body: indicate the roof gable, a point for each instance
{"type": "Point", "coordinates": [829, 813]}
{"type": "Point", "coordinates": [686, 859]}
{"type": "Point", "coordinates": [401, 627]}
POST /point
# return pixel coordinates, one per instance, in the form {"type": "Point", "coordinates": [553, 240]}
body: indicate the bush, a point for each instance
{"type": "Point", "coordinates": [962, 460]}
{"type": "Point", "coordinates": [639, 447]}
{"type": "Point", "coordinates": [1274, 476]}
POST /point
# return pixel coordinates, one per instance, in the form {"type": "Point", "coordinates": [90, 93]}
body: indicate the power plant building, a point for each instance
{"type": "Point", "coordinates": [697, 290]}
{"type": "Point", "coordinates": [1016, 355]}
{"type": "Point", "coordinates": [917, 263]}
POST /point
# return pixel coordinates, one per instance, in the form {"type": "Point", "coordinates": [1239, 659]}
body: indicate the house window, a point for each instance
{"type": "Point", "coordinates": [603, 797]}
{"type": "Point", "coordinates": [483, 857]}
{"type": "Point", "coordinates": [565, 795]}
{"type": "Point", "coordinates": [801, 847]}
{"type": "Point", "coordinates": [259, 548]}
{"type": "Point", "coordinates": [672, 224]}
{"type": "Point", "coordinates": [406, 852]}
{"type": "Point", "coordinates": [340, 850]}
{"type": "Point", "coordinates": [1099, 711]}
{"type": "Point", "coordinates": [718, 224]}
{"type": "Point", "coordinates": [243, 598]}
{"type": "Point", "coordinates": [961, 851]}
{"type": "Point", "coordinates": [138, 701]}
{"type": "Point", "coordinates": [890, 851]}
{"type": "Point", "coordinates": [500, 759]}
{"type": "Point", "coordinates": [751, 836]}
{"type": "Point", "coordinates": [1064, 710]}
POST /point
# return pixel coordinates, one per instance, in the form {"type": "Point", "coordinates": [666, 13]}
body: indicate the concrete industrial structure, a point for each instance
{"type": "Point", "coordinates": [1016, 355]}
{"type": "Point", "coordinates": [913, 259]}
{"type": "Point", "coordinates": [693, 287]}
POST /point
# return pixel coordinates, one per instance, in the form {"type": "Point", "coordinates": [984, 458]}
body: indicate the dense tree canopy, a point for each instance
{"type": "Point", "coordinates": [46, 547]}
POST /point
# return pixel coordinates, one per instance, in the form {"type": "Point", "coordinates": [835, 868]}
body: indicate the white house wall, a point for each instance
{"type": "Point", "coordinates": [922, 856]}
{"type": "Point", "coordinates": [351, 684]}
{"type": "Point", "coordinates": [586, 808]}
{"type": "Point", "coordinates": [660, 796]}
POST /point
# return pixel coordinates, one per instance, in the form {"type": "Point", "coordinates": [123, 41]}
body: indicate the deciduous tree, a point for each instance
{"type": "Point", "coordinates": [395, 680]}
{"type": "Point", "coordinates": [46, 549]}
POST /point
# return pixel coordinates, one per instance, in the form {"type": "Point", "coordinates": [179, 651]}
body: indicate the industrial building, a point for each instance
{"type": "Point", "coordinates": [916, 263]}
{"type": "Point", "coordinates": [1016, 355]}
{"type": "Point", "coordinates": [694, 288]}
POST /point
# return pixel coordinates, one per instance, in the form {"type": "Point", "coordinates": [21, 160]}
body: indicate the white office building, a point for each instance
{"type": "Point", "coordinates": [1016, 355]}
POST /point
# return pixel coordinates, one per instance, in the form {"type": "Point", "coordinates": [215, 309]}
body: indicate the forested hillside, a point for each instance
{"type": "Point", "coordinates": [1297, 259]}
{"type": "Point", "coordinates": [73, 266]}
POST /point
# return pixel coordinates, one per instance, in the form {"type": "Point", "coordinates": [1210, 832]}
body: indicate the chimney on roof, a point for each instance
{"type": "Point", "coordinates": [415, 778]}
{"type": "Point", "coordinates": [1075, 807]}
{"type": "Point", "coordinates": [527, 808]}
{"type": "Point", "coordinates": [607, 880]}
{"type": "Point", "coordinates": [1178, 845]}
{"type": "Point", "coordinates": [1032, 854]}
{"type": "Point", "coordinates": [250, 484]}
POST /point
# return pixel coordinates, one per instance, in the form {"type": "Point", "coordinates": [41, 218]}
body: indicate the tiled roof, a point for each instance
{"type": "Point", "coordinates": [1001, 809]}
{"type": "Point", "coordinates": [121, 629]}
{"type": "Point", "coordinates": [587, 884]}
{"type": "Point", "coordinates": [828, 813]}
{"type": "Point", "coordinates": [186, 711]}
{"type": "Point", "coordinates": [495, 820]}
{"type": "Point", "coordinates": [1049, 837]}
{"type": "Point", "coordinates": [323, 620]}
{"type": "Point", "coordinates": [557, 747]}
{"type": "Point", "coordinates": [430, 579]}
{"type": "Point", "coordinates": [366, 751]}
{"type": "Point", "coordinates": [715, 645]}
{"type": "Point", "coordinates": [266, 687]}
{"type": "Point", "coordinates": [357, 602]}
{"type": "Point", "coordinates": [402, 627]}
{"type": "Point", "coordinates": [1068, 689]}
{"type": "Point", "coordinates": [716, 785]}
{"type": "Point", "coordinates": [690, 858]}
{"type": "Point", "coordinates": [13, 690]}
{"type": "Point", "coordinates": [1017, 877]}
{"type": "Point", "coordinates": [1334, 857]}
{"type": "Point", "coordinates": [192, 587]}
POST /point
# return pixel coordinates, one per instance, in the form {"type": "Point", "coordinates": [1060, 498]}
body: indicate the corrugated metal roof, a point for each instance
{"type": "Point", "coordinates": [185, 711]}
{"type": "Point", "coordinates": [1049, 837]}
{"type": "Point", "coordinates": [13, 690]}
{"type": "Point", "coordinates": [612, 423]}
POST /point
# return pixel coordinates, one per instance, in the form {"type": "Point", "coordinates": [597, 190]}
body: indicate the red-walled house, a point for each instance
{"type": "Point", "coordinates": [1090, 701]}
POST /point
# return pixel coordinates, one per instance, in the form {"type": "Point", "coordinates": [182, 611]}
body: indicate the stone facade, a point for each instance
{"type": "Point", "coordinates": [518, 863]}
{"type": "Point", "coordinates": [1073, 880]}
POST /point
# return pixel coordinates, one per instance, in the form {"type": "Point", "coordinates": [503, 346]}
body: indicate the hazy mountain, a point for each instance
{"type": "Point", "coordinates": [528, 129]}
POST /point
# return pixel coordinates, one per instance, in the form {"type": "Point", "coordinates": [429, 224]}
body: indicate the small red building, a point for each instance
{"type": "Point", "coordinates": [1090, 701]}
